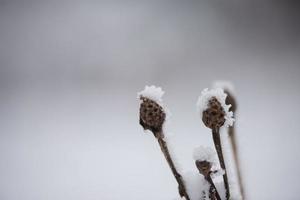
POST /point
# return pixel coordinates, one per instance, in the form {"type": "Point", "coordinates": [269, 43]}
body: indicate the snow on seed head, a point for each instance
{"type": "Point", "coordinates": [152, 114]}
{"type": "Point", "coordinates": [204, 158]}
{"type": "Point", "coordinates": [153, 93]}
{"type": "Point", "coordinates": [202, 153]}
{"type": "Point", "coordinates": [213, 109]}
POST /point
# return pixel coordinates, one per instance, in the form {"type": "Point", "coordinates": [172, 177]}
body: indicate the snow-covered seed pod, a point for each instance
{"type": "Point", "coordinates": [204, 156]}
{"type": "Point", "coordinates": [152, 115]}
{"type": "Point", "coordinates": [204, 167]}
{"type": "Point", "coordinates": [215, 113]}
{"type": "Point", "coordinates": [214, 116]}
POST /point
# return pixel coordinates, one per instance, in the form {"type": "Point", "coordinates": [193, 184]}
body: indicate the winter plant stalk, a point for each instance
{"type": "Point", "coordinates": [152, 117]}
{"type": "Point", "coordinates": [217, 143]}
{"type": "Point", "coordinates": [204, 162]}
{"type": "Point", "coordinates": [232, 135]}
{"type": "Point", "coordinates": [215, 113]}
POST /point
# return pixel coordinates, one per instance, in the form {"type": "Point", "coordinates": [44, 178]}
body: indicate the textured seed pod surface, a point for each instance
{"type": "Point", "coordinates": [152, 115]}
{"type": "Point", "coordinates": [214, 115]}
{"type": "Point", "coordinates": [204, 167]}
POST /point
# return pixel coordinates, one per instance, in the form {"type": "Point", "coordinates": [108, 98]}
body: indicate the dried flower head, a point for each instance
{"type": "Point", "coordinates": [230, 100]}
{"type": "Point", "coordinates": [213, 108]}
{"type": "Point", "coordinates": [152, 115]}
{"type": "Point", "coordinates": [204, 167]}
{"type": "Point", "coordinates": [203, 153]}
{"type": "Point", "coordinates": [205, 159]}
{"type": "Point", "coordinates": [213, 116]}
{"type": "Point", "coordinates": [152, 112]}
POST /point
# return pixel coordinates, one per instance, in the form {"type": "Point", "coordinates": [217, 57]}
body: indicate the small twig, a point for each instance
{"type": "Point", "coordinates": [213, 190]}
{"type": "Point", "coordinates": [178, 177]}
{"type": "Point", "coordinates": [217, 143]}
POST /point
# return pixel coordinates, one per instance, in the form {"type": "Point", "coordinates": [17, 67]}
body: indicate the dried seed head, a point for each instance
{"type": "Point", "coordinates": [204, 167]}
{"type": "Point", "coordinates": [230, 100]}
{"type": "Point", "coordinates": [213, 109]}
{"type": "Point", "coordinates": [152, 115]}
{"type": "Point", "coordinates": [214, 116]}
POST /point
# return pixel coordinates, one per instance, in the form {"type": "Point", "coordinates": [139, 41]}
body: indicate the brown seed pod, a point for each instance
{"type": "Point", "coordinates": [204, 167]}
{"type": "Point", "coordinates": [152, 115]}
{"type": "Point", "coordinates": [230, 100]}
{"type": "Point", "coordinates": [213, 116]}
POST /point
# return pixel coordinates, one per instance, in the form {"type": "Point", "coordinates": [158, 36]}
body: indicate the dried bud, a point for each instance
{"type": "Point", "coordinates": [213, 116]}
{"type": "Point", "coordinates": [152, 115]}
{"type": "Point", "coordinates": [204, 167]}
{"type": "Point", "coordinates": [230, 100]}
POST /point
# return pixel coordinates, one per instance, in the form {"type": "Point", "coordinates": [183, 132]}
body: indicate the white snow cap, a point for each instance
{"type": "Point", "coordinates": [195, 185]}
{"type": "Point", "coordinates": [155, 93]}
{"type": "Point", "coordinates": [152, 92]}
{"type": "Point", "coordinates": [218, 93]}
{"type": "Point", "coordinates": [204, 153]}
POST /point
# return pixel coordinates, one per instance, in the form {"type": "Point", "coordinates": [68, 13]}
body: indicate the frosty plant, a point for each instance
{"type": "Point", "coordinates": [204, 160]}
{"type": "Point", "coordinates": [230, 100]}
{"type": "Point", "coordinates": [152, 117]}
{"type": "Point", "coordinates": [215, 113]}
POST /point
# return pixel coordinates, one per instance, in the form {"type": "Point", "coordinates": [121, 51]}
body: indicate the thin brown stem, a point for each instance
{"type": "Point", "coordinates": [213, 189]}
{"type": "Point", "coordinates": [217, 142]}
{"type": "Point", "coordinates": [231, 132]}
{"type": "Point", "coordinates": [178, 177]}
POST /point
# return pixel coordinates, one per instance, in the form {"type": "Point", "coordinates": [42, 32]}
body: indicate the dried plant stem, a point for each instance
{"type": "Point", "coordinates": [217, 142]}
{"type": "Point", "coordinates": [231, 132]}
{"type": "Point", "coordinates": [178, 177]}
{"type": "Point", "coordinates": [213, 188]}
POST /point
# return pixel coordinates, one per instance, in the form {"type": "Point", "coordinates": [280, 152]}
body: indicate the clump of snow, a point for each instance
{"type": "Point", "coordinates": [202, 153]}
{"type": "Point", "coordinates": [152, 92]}
{"type": "Point", "coordinates": [218, 93]}
{"type": "Point", "coordinates": [234, 194]}
{"type": "Point", "coordinates": [225, 85]}
{"type": "Point", "coordinates": [220, 188]}
{"type": "Point", "coordinates": [196, 185]}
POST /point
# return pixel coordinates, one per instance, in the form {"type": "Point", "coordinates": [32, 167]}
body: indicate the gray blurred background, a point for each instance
{"type": "Point", "coordinates": [69, 73]}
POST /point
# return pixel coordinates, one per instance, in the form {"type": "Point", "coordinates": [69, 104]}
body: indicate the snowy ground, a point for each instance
{"type": "Point", "coordinates": [69, 77]}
